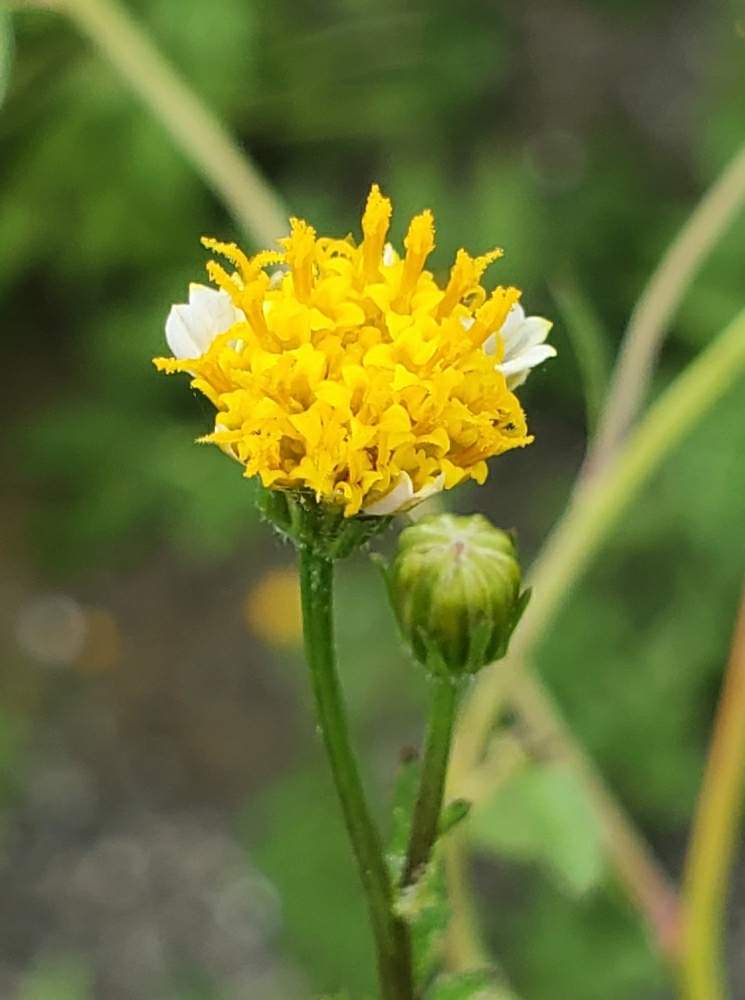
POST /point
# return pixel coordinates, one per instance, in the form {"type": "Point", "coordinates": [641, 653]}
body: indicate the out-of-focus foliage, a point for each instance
{"type": "Point", "coordinates": [468, 986]}
{"type": "Point", "coordinates": [577, 136]}
{"type": "Point", "coordinates": [542, 814]}
{"type": "Point", "coordinates": [6, 52]}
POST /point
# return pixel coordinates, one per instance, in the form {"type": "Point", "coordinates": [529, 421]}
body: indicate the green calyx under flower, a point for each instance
{"type": "Point", "coordinates": [308, 524]}
{"type": "Point", "coordinates": [455, 588]}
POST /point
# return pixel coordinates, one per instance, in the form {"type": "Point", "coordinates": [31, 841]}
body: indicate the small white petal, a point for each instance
{"type": "Point", "coordinates": [213, 308]}
{"type": "Point", "coordinates": [436, 486]}
{"type": "Point", "coordinates": [523, 339]}
{"type": "Point", "coordinates": [403, 496]}
{"type": "Point", "coordinates": [517, 370]}
{"type": "Point", "coordinates": [395, 500]}
{"type": "Point", "coordinates": [178, 333]}
{"type": "Point", "coordinates": [191, 328]}
{"type": "Point", "coordinates": [531, 358]}
{"type": "Point", "coordinates": [512, 323]}
{"type": "Point", "coordinates": [390, 257]}
{"type": "Point", "coordinates": [536, 330]}
{"type": "Point", "coordinates": [277, 277]}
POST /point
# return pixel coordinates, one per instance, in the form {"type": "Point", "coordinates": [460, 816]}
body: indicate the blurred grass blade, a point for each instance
{"type": "Point", "coordinates": [657, 305]}
{"type": "Point", "coordinates": [197, 132]}
{"type": "Point", "coordinates": [714, 839]}
{"type": "Point", "coordinates": [6, 52]}
{"type": "Point", "coordinates": [589, 342]}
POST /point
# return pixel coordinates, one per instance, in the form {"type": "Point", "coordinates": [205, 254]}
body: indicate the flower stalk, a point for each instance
{"type": "Point", "coordinates": [391, 933]}
{"type": "Point", "coordinates": [428, 808]}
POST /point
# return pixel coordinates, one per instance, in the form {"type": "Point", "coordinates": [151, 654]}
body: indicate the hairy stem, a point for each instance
{"type": "Point", "coordinates": [428, 805]}
{"type": "Point", "coordinates": [391, 936]}
{"type": "Point", "coordinates": [578, 536]}
{"type": "Point", "coordinates": [198, 133]}
{"type": "Point", "coordinates": [714, 835]}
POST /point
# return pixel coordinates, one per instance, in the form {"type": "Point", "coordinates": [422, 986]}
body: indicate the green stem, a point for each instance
{"type": "Point", "coordinates": [714, 836]}
{"type": "Point", "coordinates": [434, 769]}
{"type": "Point", "coordinates": [391, 935]}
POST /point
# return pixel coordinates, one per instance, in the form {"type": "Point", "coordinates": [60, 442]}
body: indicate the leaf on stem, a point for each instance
{"type": "Point", "coordinates": [424, 906]}
{"type": "Point", "coordinates": [453, 814]}
{"type": "Point", "coordinates": [543, 814]}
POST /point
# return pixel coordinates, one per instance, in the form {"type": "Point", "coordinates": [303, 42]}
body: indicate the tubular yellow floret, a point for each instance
{"type": "Point", "coordinates": [351, 379]}
{"type": "Point", "coordinates": [223, 280]}
{"type": "Point", "coordinates": [299, 254]}
{"type": "Point", "coordinates": [231, 252]}
{"type": "Point", "coordinates": [492, 314]}
{"type": "Point", "coordinates": [419, 243]}
{"type": "Point", "coordinates": [375, 223]}
{"type": "Point", "coordinates": [465, 276]}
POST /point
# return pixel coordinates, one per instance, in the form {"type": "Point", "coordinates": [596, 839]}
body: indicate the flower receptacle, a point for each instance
{"type": "Point", "coordinates": [308, 523]}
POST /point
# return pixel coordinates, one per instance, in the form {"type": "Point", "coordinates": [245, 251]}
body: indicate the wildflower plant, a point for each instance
{"type": "Point", "coordinates": [354, 386]}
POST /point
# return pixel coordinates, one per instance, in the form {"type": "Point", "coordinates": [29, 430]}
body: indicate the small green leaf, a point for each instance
{"type": "Point", "coordinates": [469, 986]}
{"type": "Point", "coordinates": [424, 906]}
{"type": "Point", "coordinates": [453, 813]}
{"type": "Point", "coordinates": [543, 814]}
{"type": "Point", "coordinates": [6, 52]}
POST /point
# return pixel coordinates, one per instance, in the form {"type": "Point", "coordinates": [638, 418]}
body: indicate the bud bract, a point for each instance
{"type": "Point", "coordinates": [455, 588]}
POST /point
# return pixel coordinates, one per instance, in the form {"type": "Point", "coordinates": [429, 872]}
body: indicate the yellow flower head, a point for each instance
{"type": "Point", "coordinates": [349, 371]}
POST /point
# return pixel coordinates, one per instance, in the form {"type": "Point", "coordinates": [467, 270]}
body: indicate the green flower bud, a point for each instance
{"type": "Point", "coordinates": [455, 589]}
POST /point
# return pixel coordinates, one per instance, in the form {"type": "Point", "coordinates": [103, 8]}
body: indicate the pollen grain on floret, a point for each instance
{"type": "Point", "coordinates": [349, 372]}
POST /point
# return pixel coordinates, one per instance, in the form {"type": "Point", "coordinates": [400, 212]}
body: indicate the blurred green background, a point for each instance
{"type": "Point", "coordinates": [167, 828]}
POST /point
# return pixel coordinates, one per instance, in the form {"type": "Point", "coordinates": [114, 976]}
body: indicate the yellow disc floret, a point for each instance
{"type": "Point", "coordinates": [349, 370]}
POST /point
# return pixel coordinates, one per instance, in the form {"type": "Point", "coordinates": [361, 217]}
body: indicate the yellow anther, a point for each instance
{"type": "Point", "coordinates": [465, 275]}
{"type": "Point", "coordinates": [299, 249]}
{"type": "Point", "coordinates": [223, 280]}
{"type": "Point", "coordinates": [492, 314]}
{"type": "Point", "coordinates": [419, 242]}
{"type": "Point", "coordinates": [375, 223]}
{"type": "Point", "coordinates": [231, 252]}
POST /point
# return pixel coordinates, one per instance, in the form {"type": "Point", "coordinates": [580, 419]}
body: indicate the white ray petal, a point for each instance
{"type": "Point", "coordinates": [403, 496]}
{"type": "Point", "coordinates": [191, 327]}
